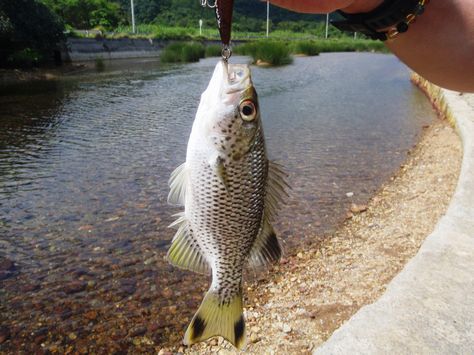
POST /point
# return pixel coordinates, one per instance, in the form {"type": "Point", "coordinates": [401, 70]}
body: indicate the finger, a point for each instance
{"type": "Point", "coordinates": [312, 6]}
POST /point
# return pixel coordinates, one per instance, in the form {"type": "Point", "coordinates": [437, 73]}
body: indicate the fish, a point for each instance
{"type": "Point", "coordinates": [231, 193]}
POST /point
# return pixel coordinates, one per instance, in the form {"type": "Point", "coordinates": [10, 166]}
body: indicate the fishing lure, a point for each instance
{"type": "Point", "coordinates": [224, 10]}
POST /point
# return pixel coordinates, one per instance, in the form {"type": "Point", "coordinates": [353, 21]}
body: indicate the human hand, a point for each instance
{"type": "Point", "coordinates": [326, 6]}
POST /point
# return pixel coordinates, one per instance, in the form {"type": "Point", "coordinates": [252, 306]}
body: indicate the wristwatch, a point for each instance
{"type": "Point", "coordinates": [386, 21]}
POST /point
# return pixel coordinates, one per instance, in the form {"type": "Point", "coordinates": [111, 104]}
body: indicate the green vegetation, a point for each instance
{"type": "Point", "coordinates": [31, 29]}
{"type": "Point", "coordinates": [160, 31]}
{"type": "Point", "coordinates": [87, 14]}
{"type": "Point", "coordinates": [99, 64]}
{"type": "Point", "coordinates": [249, 16]}
{"type": "Point", "coordinates": [305, 47]}
{"type": "Point", "coordinates": [183, 52]}
{"type": "Point", "coordinates": [29, 33]}
{"type": "Point", "coordinates": [278, 52]}
{"type": "Point", "coordinates": [349, 45]}
{"type": "Point", "coordinates": [213, 50]}
{"type": "Point", "coordinates": [271, 52]}
{"type": "Point", "coordinates": [25, 58]}
{"type": "Point", "coordinates": [157, 32]}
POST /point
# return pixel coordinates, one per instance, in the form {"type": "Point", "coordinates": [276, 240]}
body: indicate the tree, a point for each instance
{"type": "Point", "coordinates": [87, 14]}
{"type": "Point", "coordinates": [28, 26]}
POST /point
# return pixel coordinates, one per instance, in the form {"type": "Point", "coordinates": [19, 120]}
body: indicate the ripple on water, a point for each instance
{"type": "Point", "coordinates": [84, 164]}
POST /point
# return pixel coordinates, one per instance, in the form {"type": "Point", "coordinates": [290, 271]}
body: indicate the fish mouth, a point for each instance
{"type": "Point", "coordinates": [236, 77]}
{"type": "Point", "coordinates": [227, 83]}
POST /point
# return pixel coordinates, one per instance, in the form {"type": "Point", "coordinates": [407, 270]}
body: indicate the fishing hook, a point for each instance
{"type": "Point", "coordinates": [226, 52]}
{"type": "Point", "coordinates": [205, 3]}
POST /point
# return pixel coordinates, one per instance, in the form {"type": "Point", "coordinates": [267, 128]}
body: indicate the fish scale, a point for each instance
{"type": "Point", "coordinates": [230, 192]}
{"type": "Point", "coordinates": [228, 211]}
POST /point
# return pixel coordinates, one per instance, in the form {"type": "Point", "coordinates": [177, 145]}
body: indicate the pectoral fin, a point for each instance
{"type": "Point", "coordinates": [178, 183]}
{"type": "Point", "coordinates": [217, 164]}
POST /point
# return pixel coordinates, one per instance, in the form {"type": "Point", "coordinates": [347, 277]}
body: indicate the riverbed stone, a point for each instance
{"type": "Point", "coordinates": [75, 286]}
{"type": "Point", "coordinates": [4, 334]}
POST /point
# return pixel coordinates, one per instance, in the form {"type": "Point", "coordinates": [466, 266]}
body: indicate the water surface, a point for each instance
{"type": "Point", "coordinates": [84, 164]}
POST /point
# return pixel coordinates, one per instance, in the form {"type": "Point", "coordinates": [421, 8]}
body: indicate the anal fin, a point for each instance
{"type": "Point", "coordinates": [184, 251]}
{"type": "Point", "coordinates": [266, 249]}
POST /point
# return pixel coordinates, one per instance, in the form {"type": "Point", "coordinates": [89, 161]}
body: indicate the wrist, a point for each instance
{"type": "Point", "coordinates": [362, 6]}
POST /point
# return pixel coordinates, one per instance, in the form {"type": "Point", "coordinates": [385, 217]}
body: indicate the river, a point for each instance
{"type": "Point", "coordinates": [84, 164]}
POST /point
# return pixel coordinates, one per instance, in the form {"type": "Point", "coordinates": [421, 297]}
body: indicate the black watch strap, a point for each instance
{"type": "Point", "coordinates": [390, 13]}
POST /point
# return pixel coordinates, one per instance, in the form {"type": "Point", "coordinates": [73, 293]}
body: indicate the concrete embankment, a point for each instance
{"type": "Point", "coordinates": [83, 49]}
{"type": "Point", "coordinates": [428, 307]}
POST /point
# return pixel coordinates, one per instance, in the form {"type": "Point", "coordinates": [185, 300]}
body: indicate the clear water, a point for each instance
{"type": "Point", "coordinates": [84, 164]}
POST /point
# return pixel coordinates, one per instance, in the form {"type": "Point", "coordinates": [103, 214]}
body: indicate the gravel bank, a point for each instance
{"type": "Point", "coordinates": [314, 292]}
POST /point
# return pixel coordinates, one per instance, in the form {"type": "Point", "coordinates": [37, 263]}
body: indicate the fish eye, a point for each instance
{"type": "Point", "coordinates": [248, 112]}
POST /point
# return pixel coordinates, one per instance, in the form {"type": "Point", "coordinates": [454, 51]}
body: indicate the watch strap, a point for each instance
{"type": "Point", "coordinates": [388, 14]}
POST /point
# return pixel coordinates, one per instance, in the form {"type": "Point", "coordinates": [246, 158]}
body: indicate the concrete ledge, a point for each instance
{"type": "Point", "coordinates": [429, 307]}
{"type": "Point", "coordinates": [82, 49]}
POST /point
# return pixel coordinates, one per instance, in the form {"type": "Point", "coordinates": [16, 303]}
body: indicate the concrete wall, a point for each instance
{"type": "Point", "coordinates": [83, 49]}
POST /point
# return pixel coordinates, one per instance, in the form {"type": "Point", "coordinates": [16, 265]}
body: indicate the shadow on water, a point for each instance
{"type": "Point", "coordinates": [84, 164]}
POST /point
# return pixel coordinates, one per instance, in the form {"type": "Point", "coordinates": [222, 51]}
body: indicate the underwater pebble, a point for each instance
{"type": "Point", "coordinates": [4, 334]}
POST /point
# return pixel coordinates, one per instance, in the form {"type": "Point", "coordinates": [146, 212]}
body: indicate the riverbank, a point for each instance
{"type": "Point", "coordinates": [17, 76]}
{"type": "Point", "coordinates": [427, 308]}
{"type": "Point", "coordinates": [313, 292]}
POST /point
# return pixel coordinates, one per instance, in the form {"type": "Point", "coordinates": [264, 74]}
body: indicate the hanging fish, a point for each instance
{"type": "Point", "coordinates": [231, 193]}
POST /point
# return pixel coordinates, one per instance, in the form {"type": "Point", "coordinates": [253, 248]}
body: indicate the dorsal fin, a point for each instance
{"type": "Point", "coordinates": [276, 190]}
{"type": "Point", "coordinates": [178, 183]}
{"type": "Point", "coordinates": [184, 251]}
{"type": "Point", "coordinates": [266, 249]}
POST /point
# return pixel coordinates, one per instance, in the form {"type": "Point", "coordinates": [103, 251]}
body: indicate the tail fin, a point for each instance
{"type": "Point", "coordinates": [216, 318]}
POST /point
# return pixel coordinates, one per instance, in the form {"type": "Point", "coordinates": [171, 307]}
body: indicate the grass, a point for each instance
{"type": "Point", "coordinates": [275, 51]}
{"type": "Point", "coordinates": [308, 43]}
{"type": "Point", "coordinates": [213, 50]}
{"type": "Point", "coordinates": [156, 31]}
{"type": "Point", "coordinates": [348, 45]}
{"type": "Point", "coordinates": [99, 64]}
{"type": "Point", "coordinates": [305, 47]}
{"type": "Point", "coordinates": [271, 52]}
{"type": "Point", "coordinates": [278, 52]}
{"type": "Point", "coordinates": [180, 52]}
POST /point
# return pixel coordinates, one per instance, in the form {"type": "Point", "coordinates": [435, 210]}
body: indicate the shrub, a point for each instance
{"type": "Point", "coordinates": [271, 52]}
{"type": "Point", "coordinates": [28, 31]}
{"type": "Point", "coordinates": [305, 47]}
{"type": "Point", "coordinates": [213, 50]}
{"type": "Point", "coordinates": [26, 57]}
{"type": "Point", "coordinates": [183, 52]}
{"type": "Point", "coordinates": [99, 64]}
{"type": "Point", "coordinates": [192, 52]}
